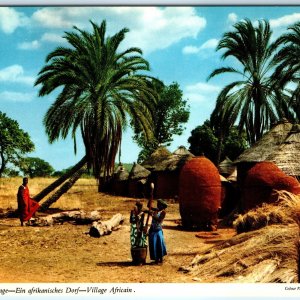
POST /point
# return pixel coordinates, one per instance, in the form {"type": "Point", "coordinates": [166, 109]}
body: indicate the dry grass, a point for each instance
{"type": "Point", "coordinates": [286, 210]}
{"type": "Point", "coordinates": [266, 255]}
{"type": "Point", "coordinates": [266, 251]}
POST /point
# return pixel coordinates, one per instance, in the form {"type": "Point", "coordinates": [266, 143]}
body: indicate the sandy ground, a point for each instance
{"type": "Point", "coordinates": [67, 254]}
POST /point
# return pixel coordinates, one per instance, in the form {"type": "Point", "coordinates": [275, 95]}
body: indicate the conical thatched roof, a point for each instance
{"type": "Point", "coordinates": [167, 161]}
{"type": "Point", "coordinates": [281, 145]}
{"type": "Point", "coordinates": [138, 172]}
{"type": "Point", "coordinates": [182, 151]}
{"type": "Point", "coordinates": [158, 156]}
{"type": "Point", "coordinates": [233, 176]}
{"type": "Point", "coordinates": [121, 174]}
{"type": "Point", "coordinates": [226, 166]}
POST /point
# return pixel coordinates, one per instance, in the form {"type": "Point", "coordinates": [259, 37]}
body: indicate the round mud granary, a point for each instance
{"type": "Point", "coordinates": [199, 194]}
{"type": "Point", "coordinates": [262, 180]}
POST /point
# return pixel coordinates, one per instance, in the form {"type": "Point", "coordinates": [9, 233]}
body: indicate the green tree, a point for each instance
{"type": "Point", "coordinates": [171, 112]}
{"type": "Point", "coordinates": [36, 167]}
{"type": "Point", "coordinates": [288, 69]}
{"type": "Point", "coordinates": [101, 87]}
{"type": "Point", "coordinates": [14, 142]}
{"type": "Point", "coordinates": [254, 100]}
{"type": "Point", "coordinates": [204, 140]}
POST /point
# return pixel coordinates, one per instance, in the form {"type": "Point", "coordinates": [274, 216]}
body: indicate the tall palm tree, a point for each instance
{"type": "Point", "coordinates": [101, 87]}
{"type": "Point", "coordinates": [253, 100]}
{"type": "Point", "coordinates": [288, 69]}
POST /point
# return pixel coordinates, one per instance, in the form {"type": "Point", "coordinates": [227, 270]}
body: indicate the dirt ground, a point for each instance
{"type": "Point", "coordinates": [67, 254]}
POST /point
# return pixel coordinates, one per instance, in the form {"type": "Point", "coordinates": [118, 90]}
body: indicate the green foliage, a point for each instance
{"type": "Point", "coordinates": [288, 68]}
{"type": "Point", "coordinates": [234, 144]}
{"type": "Point", "coordinates": [254, 100]}
{"type": "Point", "coordinates": [36, 167]}
{"type": "Point", "coordinates": [204, 140]}
{"type": "Point", "coordinates": [14, 143]}
{"type": "Point", "coordinates": [171, 112]}
{"type": "Point", "coordinates": [101, 88]}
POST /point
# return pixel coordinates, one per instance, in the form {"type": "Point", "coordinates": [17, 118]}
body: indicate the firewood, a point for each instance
{"type": "Point", "coordinates": [77, 217]}
{"type": "Point", "coordinates": [100, 228]}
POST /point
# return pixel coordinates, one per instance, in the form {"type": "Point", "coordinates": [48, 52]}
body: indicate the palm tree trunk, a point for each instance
{"type": "Point", "coordinates": [66, 186]}
{"type": "Point", "coordinates": [60, 180]}
{"type": "Point", "coordinates": [219, 147]}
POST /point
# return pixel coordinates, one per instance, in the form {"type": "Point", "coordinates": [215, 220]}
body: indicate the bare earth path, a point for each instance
{"type": "Point", "coordinates": [66, 254]}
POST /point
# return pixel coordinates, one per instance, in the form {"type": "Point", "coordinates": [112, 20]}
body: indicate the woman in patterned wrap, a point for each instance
{"type": "Point", "coordinates": [138, 238]}
{"type": "Point", "coordinates": [157, 246]}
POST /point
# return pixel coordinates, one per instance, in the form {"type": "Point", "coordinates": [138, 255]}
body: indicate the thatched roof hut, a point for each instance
{"type": "Point", "coordinates": [281, 145]}
{"type": "Point", "coordinates": [120, 181]}
{"type": "Point", "coordinates": [157, 157]}
{"type": "Point", "coordinates": [138, 172]}
{"type": "Point", "coordinates": [182, 151]}
{"type": "Point", "coordinates": [165, 167]}
{"type": "Point", "coordinates": [226, 167]}
{"type": "Point", "coordinates": [137, 180]}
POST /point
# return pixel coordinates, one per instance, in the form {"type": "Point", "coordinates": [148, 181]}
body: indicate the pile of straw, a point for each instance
{"type": "Point", "coordinates": [285, 210]}
{"type": "Point", "coordinates": [266, 255]}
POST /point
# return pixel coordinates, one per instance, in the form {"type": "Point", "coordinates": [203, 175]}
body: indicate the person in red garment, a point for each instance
{"type": "Point", "coordinates": [26, 205]}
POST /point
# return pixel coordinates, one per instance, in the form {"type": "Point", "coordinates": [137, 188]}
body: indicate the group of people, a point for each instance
{"type": "Point", "coordinates": [139, 230]}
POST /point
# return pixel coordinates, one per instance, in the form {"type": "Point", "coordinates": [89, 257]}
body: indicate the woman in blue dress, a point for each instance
{"type": "Point", "coordinates": [157, 246]}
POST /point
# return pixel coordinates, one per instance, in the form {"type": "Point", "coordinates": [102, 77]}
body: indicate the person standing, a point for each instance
{"type": "Point", "coordinates": [157, 246]}
{"type": "Point", "coordinates": [137, 232]}
{"type": "Point", "coordinates": [26, 205]}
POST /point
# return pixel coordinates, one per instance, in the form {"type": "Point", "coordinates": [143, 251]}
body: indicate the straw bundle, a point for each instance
{"type": "Point", "coordinates": [266, 255]}
{"type": "Point", "coordinates": [285, 210]}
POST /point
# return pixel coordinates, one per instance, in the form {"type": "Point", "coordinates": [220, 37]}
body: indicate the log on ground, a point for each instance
{"type": "Point", "coordinates": [100, 228]}
{"type": "Point", "coordinates": [76, 217]}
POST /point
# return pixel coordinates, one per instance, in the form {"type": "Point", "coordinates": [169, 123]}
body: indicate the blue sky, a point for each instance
{"type": "Point", "coordinates": [179, 42]}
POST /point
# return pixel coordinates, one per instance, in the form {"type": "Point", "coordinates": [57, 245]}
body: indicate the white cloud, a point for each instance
{"type": "Point", "coordinates": [201, 91]}
{"type": "Point", "coordinates": [16, 97]}
{"type": "Point", "coordinates": [208, 45]}
{"type": "Point", "coordinates": [232, 18]}
{"type": "Point", "coordinates": [29, 45]}
{"type": "Point", "coordinates": [190, 50]}
{"type": "Point", "coordinates": [10, 19]}
{"type": "Point", "coordinates": [15, 74]}
{"type": "Point", "coordinates": [52, 37]}
{"type": "Point", "coordinates": [151, 28]}
{"type": "Point", "coordinates": [285, 20]}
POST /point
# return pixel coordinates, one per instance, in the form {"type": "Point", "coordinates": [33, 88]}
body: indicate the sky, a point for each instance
{"type": "Point", "coordinates": [178, 41]}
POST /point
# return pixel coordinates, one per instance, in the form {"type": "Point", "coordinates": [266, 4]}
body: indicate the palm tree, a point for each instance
{"type": "Point", "coordinates": [101, 87]}
{"type": "Point", "coordinates": [253, 100]}
{"type": "Point", "coordinates": [288, 69]}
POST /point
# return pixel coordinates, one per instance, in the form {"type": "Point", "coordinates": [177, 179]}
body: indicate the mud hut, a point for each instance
{"type": "Point", "coordinates": [226, 167]}
{"type": "Point", "coordinates": [120, 182]}
{"type": "Point", "coordinates": [137, 181]}
{"type": "Point", "coordinates": [165, 169]}
{"type": "Point", "coordinates": [261, 182]}
{"type": "Point", "coordinates": [229, 198]}
{"type": "Point", "coordinates": [199, 194]}
{"type": "Point", "coordinates": [281, 145]}
{"type": "Point", "coordinates": [157, 157]}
